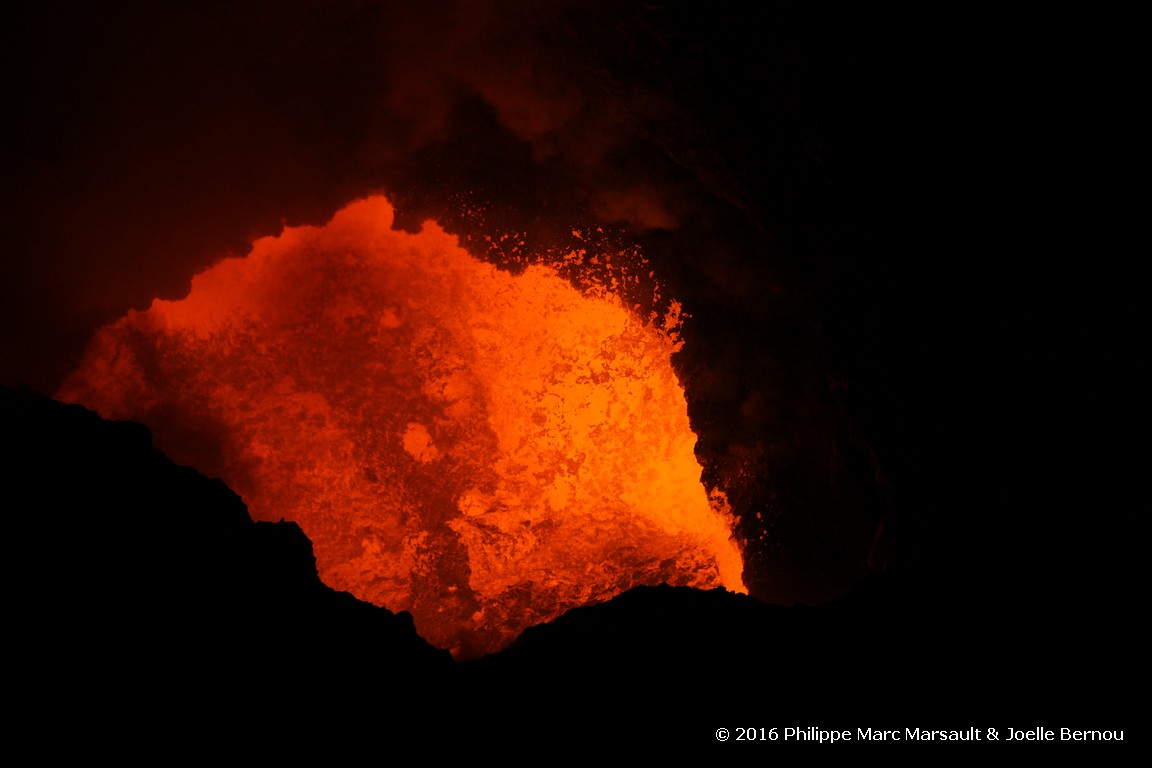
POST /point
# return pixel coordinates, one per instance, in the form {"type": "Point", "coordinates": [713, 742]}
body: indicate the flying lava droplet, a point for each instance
{"type": "Point", "coordinates": [482, 449]}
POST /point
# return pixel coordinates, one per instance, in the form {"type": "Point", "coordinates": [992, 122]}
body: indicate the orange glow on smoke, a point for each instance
{"type": "Point", "coordinates": [482, 449]}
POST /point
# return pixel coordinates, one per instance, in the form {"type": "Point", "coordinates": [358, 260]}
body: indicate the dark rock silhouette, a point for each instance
{"type": "Point", "coordinates": [134, 580]}
{"type": "Point", "coordinates": [134, 577]}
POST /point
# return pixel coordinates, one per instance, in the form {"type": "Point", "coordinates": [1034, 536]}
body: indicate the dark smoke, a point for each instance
{"type": "Point", "coordinates": [837, 196]}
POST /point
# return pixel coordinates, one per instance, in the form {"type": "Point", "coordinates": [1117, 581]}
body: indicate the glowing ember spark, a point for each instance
{"type": "Point", "coordinates": [484, 450]}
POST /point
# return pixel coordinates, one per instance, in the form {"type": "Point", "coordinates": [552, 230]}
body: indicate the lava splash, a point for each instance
{"type": "Point", "coordinates": [482, 449]}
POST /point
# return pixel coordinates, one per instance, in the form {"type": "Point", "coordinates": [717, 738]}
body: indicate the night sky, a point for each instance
{"type": "Point", "coordinates": [912, 345]}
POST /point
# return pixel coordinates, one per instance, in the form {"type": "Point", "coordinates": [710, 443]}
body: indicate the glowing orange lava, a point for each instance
{"type": "Point", "coordinates": [482, 449]}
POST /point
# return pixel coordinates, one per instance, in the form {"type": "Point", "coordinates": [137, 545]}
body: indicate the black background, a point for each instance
{"type": "Point", "coordinates": [902, 236]}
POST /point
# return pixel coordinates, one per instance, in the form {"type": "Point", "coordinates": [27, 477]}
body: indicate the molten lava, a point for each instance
{"type": "Point", "coordinates": [482, 449]}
